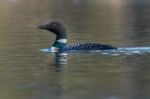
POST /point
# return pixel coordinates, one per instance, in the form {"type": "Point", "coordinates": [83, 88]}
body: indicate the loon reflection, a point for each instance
{"type": "Point", "coordinates": [61, 58]}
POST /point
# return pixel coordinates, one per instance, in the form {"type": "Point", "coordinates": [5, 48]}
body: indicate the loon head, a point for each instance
{"type": "Point", "coordinates": [59, 30]}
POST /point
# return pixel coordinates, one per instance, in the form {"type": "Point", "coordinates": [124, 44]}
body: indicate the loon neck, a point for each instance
{"type": "Point", "coordinates": [59, 44]}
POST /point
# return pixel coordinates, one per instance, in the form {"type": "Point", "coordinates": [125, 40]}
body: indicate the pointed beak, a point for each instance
{"type": "Point", "coordinates": [42, 27]}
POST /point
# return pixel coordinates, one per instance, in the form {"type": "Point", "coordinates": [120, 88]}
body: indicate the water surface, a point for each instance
{"type": "Point", "coordinates": [27, 73]}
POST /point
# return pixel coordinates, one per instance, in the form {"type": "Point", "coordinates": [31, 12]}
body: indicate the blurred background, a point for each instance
{"type": "Point", "coordinates": [27, 73]}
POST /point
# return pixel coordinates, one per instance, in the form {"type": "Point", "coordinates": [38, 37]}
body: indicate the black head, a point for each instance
{"type": "Point", "coordinates": [55, 27]}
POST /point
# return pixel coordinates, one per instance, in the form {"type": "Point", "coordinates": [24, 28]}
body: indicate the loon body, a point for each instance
{"type": "Point", "coordinates": [60, 43]}
{"type": "Point", "coordinates": [87, 47]}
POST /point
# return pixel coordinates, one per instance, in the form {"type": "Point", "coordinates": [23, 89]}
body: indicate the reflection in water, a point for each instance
{"type": "Point", "coordinates": [61, 60]}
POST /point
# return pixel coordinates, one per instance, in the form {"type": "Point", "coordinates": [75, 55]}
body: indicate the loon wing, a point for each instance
{"type": "Point", "coordinates": [88, 46]}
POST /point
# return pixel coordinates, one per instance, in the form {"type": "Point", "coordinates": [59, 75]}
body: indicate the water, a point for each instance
{"type": "Point", "coordinates": [28, 73]}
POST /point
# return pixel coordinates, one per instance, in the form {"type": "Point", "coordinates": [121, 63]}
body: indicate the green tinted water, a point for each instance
{"type": "Point", "coordinates": [27, 73]}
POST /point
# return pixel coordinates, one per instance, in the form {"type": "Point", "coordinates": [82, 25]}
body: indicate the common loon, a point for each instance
{"type": "Point", "coordinates": [60, 43]}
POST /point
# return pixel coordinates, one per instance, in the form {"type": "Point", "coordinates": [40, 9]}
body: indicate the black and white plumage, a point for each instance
{"type": "Point", "coordinates": [87, 47]}
{"type": "Point", "coordinates": [60, 43]}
